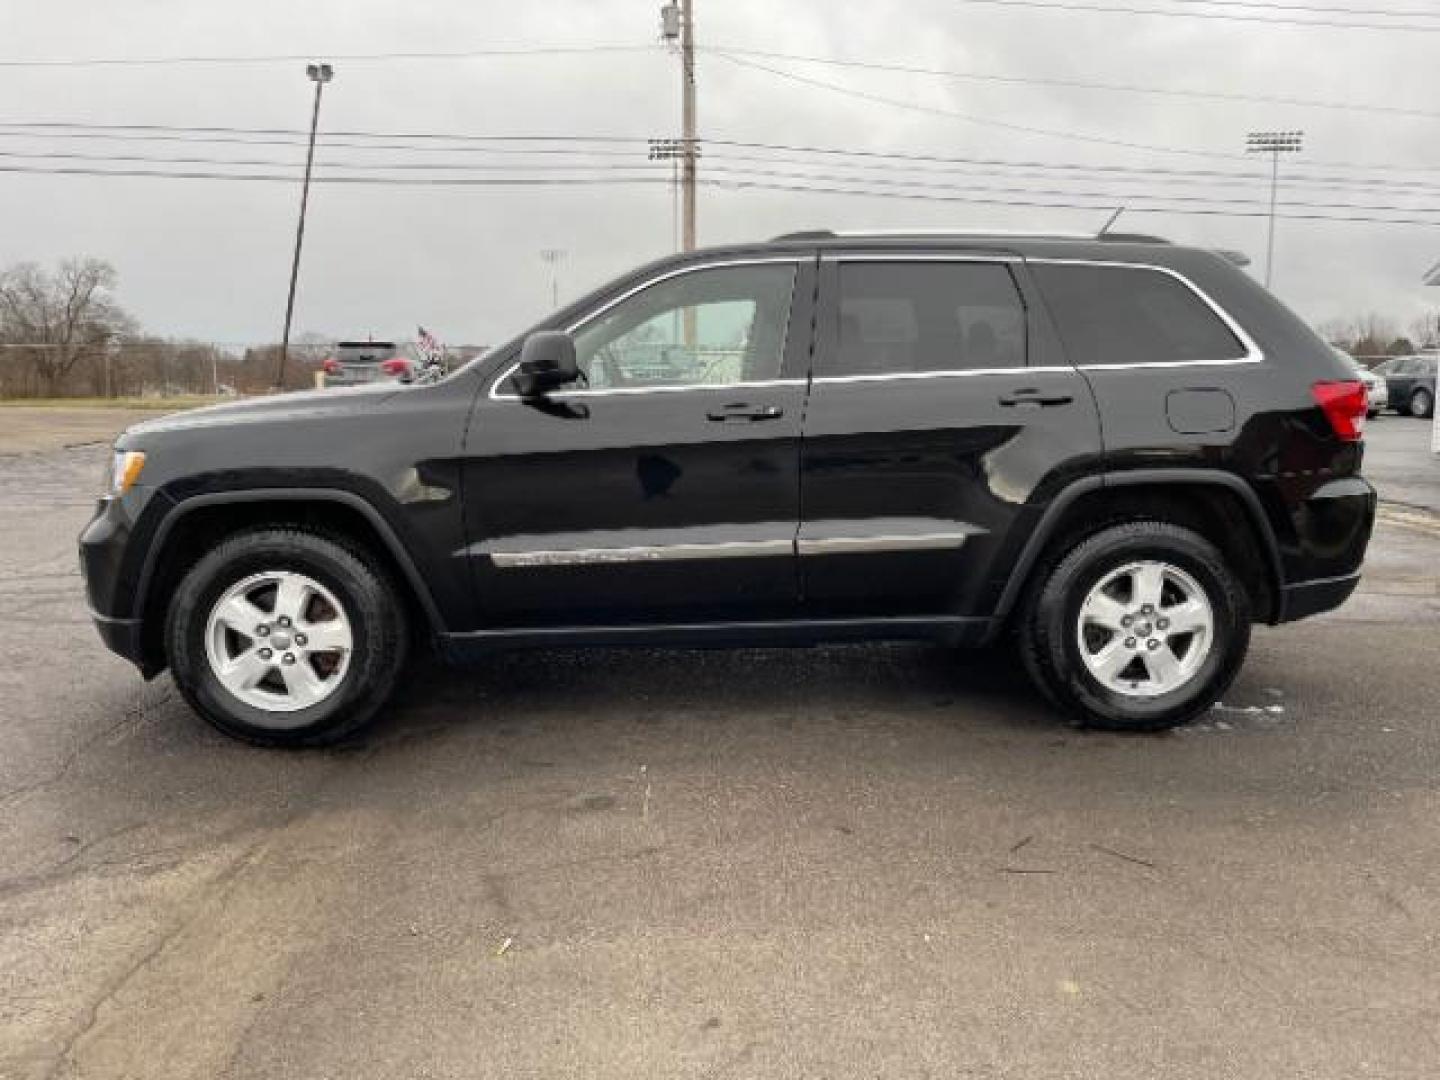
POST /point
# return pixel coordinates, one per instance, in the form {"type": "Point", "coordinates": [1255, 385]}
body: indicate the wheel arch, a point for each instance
{"type": "Point", "coordinates": [187, 530]}
{"type": "Point", "coordinates": [1199, 498]}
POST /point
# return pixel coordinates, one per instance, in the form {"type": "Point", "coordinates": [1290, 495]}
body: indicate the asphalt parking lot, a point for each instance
{"type": "Point", "coordinates": [866, 861]}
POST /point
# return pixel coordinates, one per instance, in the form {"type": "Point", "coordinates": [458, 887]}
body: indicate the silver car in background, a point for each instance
{"type": "Point", "coordinates": [1377, 391]}
{"type": "Point", "coordinates": [356, 363]}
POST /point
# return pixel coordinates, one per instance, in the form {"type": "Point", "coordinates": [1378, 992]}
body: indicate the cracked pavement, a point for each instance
{"type": "Point", "coordinates": [835, 862]}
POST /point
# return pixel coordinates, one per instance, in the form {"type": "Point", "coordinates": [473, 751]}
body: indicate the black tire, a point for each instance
{"type": "Point", "coordinates": [374, 610]}
{"type": "Point", "coordinates": [1422, 404]}
{"type": "Point", "coordinates": [1050, 620]}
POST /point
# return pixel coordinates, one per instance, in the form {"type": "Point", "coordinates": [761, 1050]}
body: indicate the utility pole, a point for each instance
{"type": "Point", "coordinates": [319, 74]}
{"type": "Point", "coordinates": [1273, 143]}
{"type": "Point", "coordinates": [687, 121]}
{"type": "Point", "coordinates": [677, 23]}
{"type": "Point", "coordinates": [553, 257]}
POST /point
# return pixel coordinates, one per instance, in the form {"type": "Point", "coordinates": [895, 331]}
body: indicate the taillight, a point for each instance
{"type": "Point", "coordinates": [397, 365]}
{"type": "Point", "coordinates": [1344, 404]}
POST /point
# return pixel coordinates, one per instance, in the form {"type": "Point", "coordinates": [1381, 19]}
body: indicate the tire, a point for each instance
{"type": "Point", "coordinates": [1422, 403]}
{"type": "Point", "coordinates": [1056, 625]}
{"type": "Point", "coordinates": [321, 694]}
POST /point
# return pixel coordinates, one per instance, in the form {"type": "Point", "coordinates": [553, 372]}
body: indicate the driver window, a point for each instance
{"type": "Point", "coordinates": [706, 328]}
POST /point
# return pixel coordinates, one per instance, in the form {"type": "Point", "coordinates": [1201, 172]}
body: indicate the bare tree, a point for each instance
{"type": "Point", "coordinates": [1426, 330]}
{"type": "Point", "coordinates": [60, 319]}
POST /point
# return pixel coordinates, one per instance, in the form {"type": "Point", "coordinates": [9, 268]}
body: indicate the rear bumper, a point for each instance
{"type": "Point", "coordinates": [1331, 532]}
{"type": "Point", "coordinates": [1313, 597]}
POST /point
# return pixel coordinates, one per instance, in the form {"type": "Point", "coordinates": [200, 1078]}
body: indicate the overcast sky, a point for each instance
{"type": "Point", "coordinates": [210, 258]}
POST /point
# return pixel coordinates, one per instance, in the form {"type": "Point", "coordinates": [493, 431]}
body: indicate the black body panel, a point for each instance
{"type": "Point", "coordinates": [797, 508]}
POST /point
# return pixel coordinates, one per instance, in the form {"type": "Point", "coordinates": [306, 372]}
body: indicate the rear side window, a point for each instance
{"type": "Point", "coordinates": [1132, 315]}
{"type": "Point", "coordinates": [906, 317]}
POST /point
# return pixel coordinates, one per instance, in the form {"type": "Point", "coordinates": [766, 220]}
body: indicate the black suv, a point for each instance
{"type": "Point", "coordinates": [1113, 454]}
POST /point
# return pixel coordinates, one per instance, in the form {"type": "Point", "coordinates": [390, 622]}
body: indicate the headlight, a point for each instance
{"type": "Point", "coordinates": [125, 469]}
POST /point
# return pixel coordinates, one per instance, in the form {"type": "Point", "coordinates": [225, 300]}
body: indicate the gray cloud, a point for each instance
{"type": "Point", "coordinates": [209, 258]}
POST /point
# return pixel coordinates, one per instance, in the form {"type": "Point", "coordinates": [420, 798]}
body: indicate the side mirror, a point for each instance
{"type": "Point", "coordinates": [547, 361]}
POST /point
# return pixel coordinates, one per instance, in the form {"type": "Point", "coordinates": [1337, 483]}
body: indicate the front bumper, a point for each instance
{"type": "Point", "coordinates": [122, 637]}
{"type": "Point", "coordinates": [110, 564]}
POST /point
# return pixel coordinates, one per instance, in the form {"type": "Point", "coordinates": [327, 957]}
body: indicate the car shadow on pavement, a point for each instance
{"type": "Point", "coordinates": [749, 686]}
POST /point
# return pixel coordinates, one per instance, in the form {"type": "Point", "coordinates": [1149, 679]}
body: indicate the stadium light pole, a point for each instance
{"type": "Point", "coordinates": [1273, 143]}
{"type": "Point", "coordinates": [319, 74]}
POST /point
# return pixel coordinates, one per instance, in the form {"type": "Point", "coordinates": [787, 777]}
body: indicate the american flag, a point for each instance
{"type": "Point", "coordinates": [430, 345]}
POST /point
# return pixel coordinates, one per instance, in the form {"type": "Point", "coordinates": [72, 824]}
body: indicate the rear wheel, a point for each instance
{"type": "Point", "coordinates": [1138, 628]}
{"type": "Point", "coordinates": [1422, 403]}
{"type": "Point", "coordinates": [284, 637]}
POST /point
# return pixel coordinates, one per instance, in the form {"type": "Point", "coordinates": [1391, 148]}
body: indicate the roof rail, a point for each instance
{"type": "Point", "coordinates": [1131, 238]}
{"type": "Point", "coordinates": [830, 234]}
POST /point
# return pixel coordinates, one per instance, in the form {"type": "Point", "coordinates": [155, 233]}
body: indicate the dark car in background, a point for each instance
{"type": "Point", "coordinates": [1116, 454]}
{"type": "Point", "coordinates": [356, 363]}
{"type": "Point", "coordinates": [1410, 382]}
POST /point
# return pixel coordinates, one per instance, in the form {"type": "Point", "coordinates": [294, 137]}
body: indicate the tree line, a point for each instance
{"type": "Point", "coordinates": [63, 333]}
{"type": "Point", "coordinates": [1375, 335]}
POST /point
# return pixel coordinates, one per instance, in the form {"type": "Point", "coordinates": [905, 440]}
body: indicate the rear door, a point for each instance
{"type": "Point", "coordinates": [666, 488]}
{"type": "Point", "coordinates": [941, 416]}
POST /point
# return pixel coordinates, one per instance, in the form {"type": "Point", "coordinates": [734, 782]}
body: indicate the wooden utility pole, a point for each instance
{"type": "Point", "coordinates": [687, 121]}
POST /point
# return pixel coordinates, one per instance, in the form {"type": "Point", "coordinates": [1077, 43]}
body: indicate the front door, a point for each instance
{"type": "Point", "coordinates": [940, 416]}
{"type": "Point", "coordinates": [664, 487]}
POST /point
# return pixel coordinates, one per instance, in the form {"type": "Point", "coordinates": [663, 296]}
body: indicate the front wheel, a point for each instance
{"type": "Point", "coordinates": [1140, 627]}
{"type": "Point", "coordinates": [284, 637]}
{"type": "Point", "coordinates": [1422, 404]}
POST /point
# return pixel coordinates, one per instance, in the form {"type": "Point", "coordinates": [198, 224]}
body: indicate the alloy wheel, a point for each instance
{"type": "Point", "coordinates": [1145, 628]}
{"type": "Point", "coordinates": [279, 641]}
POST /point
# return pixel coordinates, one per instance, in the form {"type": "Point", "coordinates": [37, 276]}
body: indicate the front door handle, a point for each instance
{"type": "Point", "coordinates": [741, 410]}
{"type": "Point", "coordinates": [1034, 399]}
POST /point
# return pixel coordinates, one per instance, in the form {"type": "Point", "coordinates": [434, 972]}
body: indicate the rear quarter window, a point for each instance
{"type": "Point", "coordinates": [1126, 315]}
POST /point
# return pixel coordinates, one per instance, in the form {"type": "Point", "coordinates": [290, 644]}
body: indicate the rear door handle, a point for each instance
{"type": "Point", "coordinates": [1034, 399]}
{"type": "Point", "coordinates": [741, 410]}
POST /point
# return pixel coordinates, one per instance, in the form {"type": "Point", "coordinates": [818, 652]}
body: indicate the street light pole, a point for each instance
{"type": "Point", "coordinates": [1273, 143]}
{"type": "Point", "coordinates": [319, 74]}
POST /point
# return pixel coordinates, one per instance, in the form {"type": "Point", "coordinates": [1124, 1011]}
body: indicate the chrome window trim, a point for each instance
{"type": "Point", "coordinates": [589, 317]}
{"type": "Point", "coordinates": [905, 376]}
{"type": "Point", "coordinates": [1253, 353]}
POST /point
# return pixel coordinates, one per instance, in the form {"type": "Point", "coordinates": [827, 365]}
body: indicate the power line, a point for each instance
{"type": "Point", "coordinates": [292, 58]}
{"type": "Point", "coordinates": [983, 167]}
{"type": "Point", "coordinates": [1331, 24]}
{"type": "Point", "coordinates": [40, 126]}
{"type": "Point", "coordinates": [1023, 128]}
{"type": "Point", "coordinates": [779, 181]}
{"type": "Point", "coordinates": [1321, 9]}
{"type": "Point", "coordinates": [932, 110]}
{"type": "Point", "coordinates": [286, 178]}
{"type": "Point", "coordinates": [1074, 84]}
{"type": "Point", "coordinates": [1058, 205]}
{"type": "Point", "coordinates": [541, 144]}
